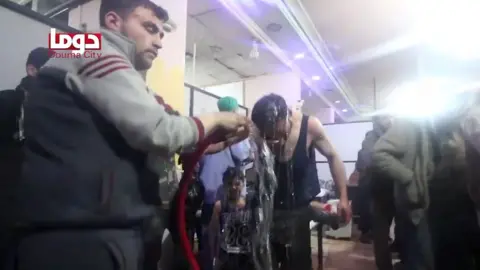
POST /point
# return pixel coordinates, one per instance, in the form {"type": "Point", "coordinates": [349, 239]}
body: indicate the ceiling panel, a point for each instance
{"type": "Point", "coordinates": [227, 76]}
{"type": "Point", "coordinates": [208, 43]}
{"type": "Point", "coordinates": [198, 7]}
{"type": "Point", "coordinates": [382, 74]}
{"type": "Point", "coordinates": [222, 23]}
{"type": "Point", "coordinates": [353, 26]}
{"type": "Point", "coordinates": [224, 41]}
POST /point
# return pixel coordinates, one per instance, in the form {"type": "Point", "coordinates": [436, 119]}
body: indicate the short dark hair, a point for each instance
{"type": "Point", "coordinates": [231, 174]}
{"type": "Point", "coordinates": [268, 110]}
{"type": "Point", "coordinates": [38, 57]}
{"type": "Point", "coordinates": [125, 7]}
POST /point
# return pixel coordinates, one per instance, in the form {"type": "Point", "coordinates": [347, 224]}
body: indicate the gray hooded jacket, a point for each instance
{"type": "Point", "coordinates": [119, 92]}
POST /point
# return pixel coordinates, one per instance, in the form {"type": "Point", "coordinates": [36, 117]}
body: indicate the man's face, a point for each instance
{"type": "Point", "coordinates": [146, 29]}
{"type": "Point", "coordinates": [32, 70]}
{"type": "Point", "coordinates": [276, 132]}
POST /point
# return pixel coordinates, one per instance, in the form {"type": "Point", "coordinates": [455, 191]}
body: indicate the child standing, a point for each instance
{"type": "Point", "coordinates": [232, 224]}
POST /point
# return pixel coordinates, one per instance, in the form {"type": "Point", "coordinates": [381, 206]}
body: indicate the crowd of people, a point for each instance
{"type": "Point", "coordinates": [78, 191]}
{"type": "Point", "coordinates": [421, 173]}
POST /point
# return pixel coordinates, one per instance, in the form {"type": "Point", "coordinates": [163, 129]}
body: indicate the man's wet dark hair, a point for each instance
{"type": "Point", "coordinates": [125, 7]}
{"type": "Point", "coordinates": [268, 110]}
{"type": "Point", "coordinates": [231, 174]}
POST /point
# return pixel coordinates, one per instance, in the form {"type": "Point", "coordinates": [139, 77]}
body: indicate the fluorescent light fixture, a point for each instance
{"type": "Point", "coordinates": [299, 56]}
{"type": "Point", "coordinates": [271, 2]}
{"type": "Point", "coordinates": [337, 101]}
{"type": "Point", "coordinates": [344, 110]}
{"type": "Point", "coordinates": [316, 78]}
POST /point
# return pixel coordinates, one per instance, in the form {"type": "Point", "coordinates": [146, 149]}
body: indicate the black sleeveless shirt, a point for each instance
{"type": "Point", "coordinates": [297, 178]}
{"type": "Point", "coordinates": [236, 229]}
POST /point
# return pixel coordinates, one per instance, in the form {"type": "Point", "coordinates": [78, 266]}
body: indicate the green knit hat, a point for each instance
{"type": "Point", "coordinates": [227, 104]}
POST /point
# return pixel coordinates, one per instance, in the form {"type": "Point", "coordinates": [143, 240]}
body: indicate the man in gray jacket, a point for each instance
{"type": "Point", "coordinates": [362, 166]}
{"type": "Point", "coordinates": [86, 190]}
{"type": "Point", "coordinates": [405, 156]}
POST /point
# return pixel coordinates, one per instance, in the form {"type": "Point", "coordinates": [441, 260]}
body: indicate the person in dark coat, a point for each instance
{"type": "Point", "coordinates": [11, 141]}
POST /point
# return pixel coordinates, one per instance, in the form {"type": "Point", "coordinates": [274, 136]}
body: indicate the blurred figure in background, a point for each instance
{"type": "Point", "coordinates": [452, 213]}
{"type": "Point", "coordinates": [193, 204]}
{"type": "Point", "coordinates": [212, 168]}
{"type": "Point", "coordinates": [432, 166]}
{"type": "Point", "coordinates": [384, 211]}
{"type": "Point", "coordinates": [11, 139]}
{"type": "Point", "coordinates": [404, 155]}
{"type": "Point", "coordinates": [363, 176]}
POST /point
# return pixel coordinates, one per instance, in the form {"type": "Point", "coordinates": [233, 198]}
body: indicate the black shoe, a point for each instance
{"type": "Point", "coordinates": [398, 266]}
{"type": "Point", "coordinates": [366, 238]}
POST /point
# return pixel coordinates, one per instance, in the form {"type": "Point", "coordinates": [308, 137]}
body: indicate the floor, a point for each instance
{"type": "Point", "coordinates": [345, 254]}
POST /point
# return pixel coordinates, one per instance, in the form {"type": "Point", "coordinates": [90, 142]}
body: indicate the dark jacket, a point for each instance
{"type": "Point", "coordinates": [364, 158]}
{"type": "Point", "coordinates": [11, 141]}
{"type": "Point", "coordinates": [11, 113]}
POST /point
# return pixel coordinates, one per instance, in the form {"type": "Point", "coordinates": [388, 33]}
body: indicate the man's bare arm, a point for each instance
{"type": "Point", "coordinates": [325, 147]}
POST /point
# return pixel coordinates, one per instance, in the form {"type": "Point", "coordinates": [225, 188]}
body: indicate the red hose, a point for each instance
{"type": "Point", "coordinates": [187, 179]}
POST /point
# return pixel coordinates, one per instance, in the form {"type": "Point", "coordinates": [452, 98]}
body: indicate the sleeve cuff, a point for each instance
{"type": "Point", "coordinates": [200, 129]}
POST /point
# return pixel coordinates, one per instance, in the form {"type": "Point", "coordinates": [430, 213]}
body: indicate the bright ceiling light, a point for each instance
{"type": "Point", "coordinates": [316, 78]}
{"type": "Point", "coordinates": [337, 101]}
{"type": "Point", "coordinates": [344, 110]}
{"type": "Point", "coordinates": [449, 26]}
{"type": "Point", "coordinates": [271, 2]}
{"type": "Point", "coordinates": [299, 56]}
{"type": "Point", "coordinates": [422, 98]}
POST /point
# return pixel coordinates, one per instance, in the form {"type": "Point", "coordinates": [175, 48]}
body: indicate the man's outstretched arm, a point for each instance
{"type": "Point", "coordinates": [325, 147]}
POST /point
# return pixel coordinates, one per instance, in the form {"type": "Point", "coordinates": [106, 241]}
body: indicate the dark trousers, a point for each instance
{"type": "Point", "coordinates": [299, 254]}
{"type": "Point", "coordinates": [364, 207]}
{"type": "Point", "coordinates": [80, 250]}
{"type": "Point", "coordinates": [383, 214]}
{"type": "Point", "coordinates": [206, 256]}
{"type": "Point", "coordinates": [382, 219]}
{"type": "Point", "coordinates": [455, 231]}
{"type": "Point", "coordinates": [7, 242]}
{"type": "Point", "coordinates": [419, 255]}
{"type": "Point", "coordinates": [234, 262]}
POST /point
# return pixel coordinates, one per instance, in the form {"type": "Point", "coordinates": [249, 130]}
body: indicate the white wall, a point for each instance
{"type": "Point", "coordinates": [325, 115]}
{"type": "Point", "coordinates": [346, 138]}
{"type": "Point", "coordinates": [16, 45]}
{"type": "Point", "coordinates": [287, 85]}
{"type": "Point", "coordinates": [87, 13]}
{"type": "Point", "coordinates": [234, 90]}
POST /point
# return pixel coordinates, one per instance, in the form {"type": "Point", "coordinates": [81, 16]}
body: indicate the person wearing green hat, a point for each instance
{"type": "Point", "coordinates": [227, 104]}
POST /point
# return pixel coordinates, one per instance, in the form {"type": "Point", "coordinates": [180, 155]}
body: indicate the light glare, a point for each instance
{"type": "Point", "coordinates": [299, 56]}
{"type": "Point", "coordinates": [449, 26]}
